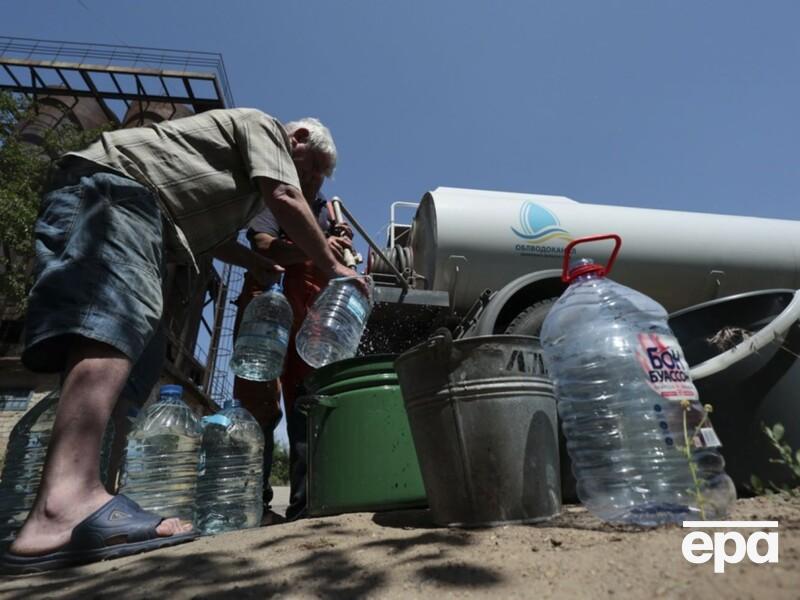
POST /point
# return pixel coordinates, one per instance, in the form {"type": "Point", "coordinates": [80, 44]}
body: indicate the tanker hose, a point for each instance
{"type": "Point", "coordinates": [774, 331]}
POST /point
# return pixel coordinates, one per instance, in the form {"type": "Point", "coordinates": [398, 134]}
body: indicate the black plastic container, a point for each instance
{"type": "Point", "coordinates": [763, 388]}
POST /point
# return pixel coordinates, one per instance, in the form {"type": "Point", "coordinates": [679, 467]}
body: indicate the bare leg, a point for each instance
{"type": "Point", "coordinates": [121, 427]}
{"type": "Point", "coordinates": [71, 489]}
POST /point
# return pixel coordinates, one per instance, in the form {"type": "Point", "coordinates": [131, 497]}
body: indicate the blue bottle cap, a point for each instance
{"type": "Point", "coordinates": [170, 390]}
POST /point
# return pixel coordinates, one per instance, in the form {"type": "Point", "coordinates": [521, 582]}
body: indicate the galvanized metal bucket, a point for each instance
{"type": "Point", "coordinates": [483, 418]}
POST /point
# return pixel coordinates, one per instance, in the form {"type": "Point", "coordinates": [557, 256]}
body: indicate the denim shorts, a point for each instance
{"type": "Point", "coordinates": [99, 266]}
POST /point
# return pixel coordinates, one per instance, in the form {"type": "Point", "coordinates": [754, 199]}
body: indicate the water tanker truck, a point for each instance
{"type": "Point", "coordinates": [491, 261]}
{"type": "Point", "coordinates": [486, 263]}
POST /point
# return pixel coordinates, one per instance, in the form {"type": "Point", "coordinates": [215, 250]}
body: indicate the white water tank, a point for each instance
{"type": "Point", "coordinates": [465, 241]}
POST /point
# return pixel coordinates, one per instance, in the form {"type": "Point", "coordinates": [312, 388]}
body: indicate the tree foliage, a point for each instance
{"type": "Point", "coordinates": [23, 173]}
{"type": "Point", "coordinates": [280, 464]}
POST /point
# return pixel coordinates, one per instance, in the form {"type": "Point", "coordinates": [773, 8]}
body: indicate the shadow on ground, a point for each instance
{"type": "Point", "coordinates": [321, 558]}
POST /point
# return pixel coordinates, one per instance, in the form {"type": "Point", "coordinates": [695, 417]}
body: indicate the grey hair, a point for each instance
{"type": "Point", "coordinates": [319, 138]}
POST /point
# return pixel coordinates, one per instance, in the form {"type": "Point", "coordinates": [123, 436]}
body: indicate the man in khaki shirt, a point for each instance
{"type": "Point", "coordinates": [113, 214]}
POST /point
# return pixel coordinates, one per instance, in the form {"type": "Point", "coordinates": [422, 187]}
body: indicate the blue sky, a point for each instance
{"type": "Point", "coordinates": [670, 104]}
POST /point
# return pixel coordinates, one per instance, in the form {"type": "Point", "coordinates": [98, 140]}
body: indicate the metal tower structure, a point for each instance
{"type": "Point", "coordinates": [107, 72]}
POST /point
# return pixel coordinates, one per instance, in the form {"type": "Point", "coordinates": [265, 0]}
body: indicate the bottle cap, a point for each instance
{"type": "Point", "coordinates": [170, 390]}
{"type": "Point", "coordinates": [583, 266]}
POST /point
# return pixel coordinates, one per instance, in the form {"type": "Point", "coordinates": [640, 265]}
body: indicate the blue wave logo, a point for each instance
{"type": "Point", "coordinates": [538, 224]}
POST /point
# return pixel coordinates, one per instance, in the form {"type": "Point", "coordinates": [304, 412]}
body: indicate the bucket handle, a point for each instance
{"type": "Point", "coordinates": [766, 335]}
{"type": "Point", "coordinates": [306, 403]}
{"type": "Point", "coordinates": [442, 339]}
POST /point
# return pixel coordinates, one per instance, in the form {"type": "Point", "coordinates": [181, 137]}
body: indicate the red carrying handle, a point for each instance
{"type": "Point", "coordinates": [601, 270]}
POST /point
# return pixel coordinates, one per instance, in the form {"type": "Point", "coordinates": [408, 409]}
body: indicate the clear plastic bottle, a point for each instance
{"type": "Point", "coordinates": [335, 322]}
{"type": "Point", "coordinates": [230, 485]}
{"type": "Point", "coordinates": [25, 455]}
{"type": "Point", "coordinates": [260, 347]}
{"type": "Point", "coordinates": [642, 448]}
{"type": "Point", "coordinates": [160, 467]}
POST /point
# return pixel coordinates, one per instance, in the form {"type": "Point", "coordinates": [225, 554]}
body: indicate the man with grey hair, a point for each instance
{"type": "Point", "coordinates": [302, 283]}
{"type": "Point", "coordinates": [319, 138]}
{"type": "Point", "coordinates": [113, 214]}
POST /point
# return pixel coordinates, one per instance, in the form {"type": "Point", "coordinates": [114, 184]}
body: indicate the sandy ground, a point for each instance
{"type": "Point", "coordinates": [280, 498]}
{"type": "Point", "coordinates": [402, 555]}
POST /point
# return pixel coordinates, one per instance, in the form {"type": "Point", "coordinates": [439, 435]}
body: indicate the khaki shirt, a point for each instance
{"type": "Point", "coordinates": [202, 168]}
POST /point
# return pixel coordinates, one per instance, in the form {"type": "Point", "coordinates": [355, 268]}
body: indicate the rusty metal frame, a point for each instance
{"type": "Point", "coordinates": [189, 71]}
{"type": "Point", "coordinates": [198, 79]}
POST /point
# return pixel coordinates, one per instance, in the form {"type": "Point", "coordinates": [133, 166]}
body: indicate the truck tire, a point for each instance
{"type": "Point", "coordinates": [529, 321]}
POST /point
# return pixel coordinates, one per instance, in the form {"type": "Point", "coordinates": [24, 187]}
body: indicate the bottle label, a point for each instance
{"type": "Point", "coordinates": [685, 425]}
{"type": "Point", "coordinates": [133, 459]}
{"type": "Point", "coordinates": [201, 464]}
{"type": "Point", "coordinates": [707, 438]}
{"type": "Point", "coordinates": [282, 334]}
{"type": "Point", "coordinates": [665, 367]}
{"type": "Point", "coordinates": [217, 419]}
{"type": "Point", "coordinates": [357, 308]}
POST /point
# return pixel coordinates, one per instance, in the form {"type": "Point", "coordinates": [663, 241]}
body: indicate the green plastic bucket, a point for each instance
{"type": "Point", "coordinates": [361, 456]}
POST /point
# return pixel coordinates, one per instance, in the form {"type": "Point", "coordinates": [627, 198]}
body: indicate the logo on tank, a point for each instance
{"type": "Point", "coordinates": [538, 225]}
{"type": "Point", "coordinates": [541, 231]}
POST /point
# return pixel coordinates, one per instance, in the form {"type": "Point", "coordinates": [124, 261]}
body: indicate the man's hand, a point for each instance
{"type": "Point", "coordinates": [343, 230]}
{"type": "Point", "coordinates": [338, 244]}
{"type": "Point", "coordinates": [283, 252]}
{"type": "Point", "coordinates": [264, 271]}
{"type": "Point", "coordinates": [360, 282]}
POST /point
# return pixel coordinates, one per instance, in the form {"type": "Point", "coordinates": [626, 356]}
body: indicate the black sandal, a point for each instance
{"type": "Point", "coordinates": [118, 528]}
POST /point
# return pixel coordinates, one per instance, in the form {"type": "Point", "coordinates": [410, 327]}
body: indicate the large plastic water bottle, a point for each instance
{"type": "Point", "coordinates": [642, 448]}
{"type": "Point", "coordinates": [335, 322]}
{"type": "Point", "coordinates": [160, 468]}
{"type": "Point", "coordinates": [25, 455]}
{"type": "Point", "coordinates": [260, 347]}
{"type": "Point", "coordinates": [230, 486]}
